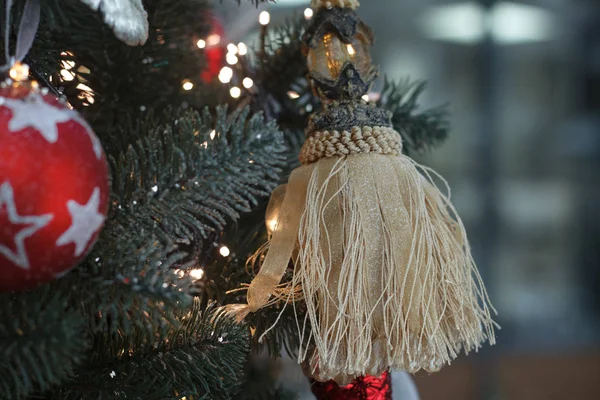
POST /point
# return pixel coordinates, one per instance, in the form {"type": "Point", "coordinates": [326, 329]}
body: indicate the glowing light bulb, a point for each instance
{"type": "Point", "coordinates": [264, 18]}
{"type": "Point", "coordinates": [308, 13]}
{"type": "Point", "coordinates": [271, 225]}
{"type": "Point", "coordinates": [235, 92]}
{"type": "Point", "coordinates": [197, 273]}
{"type": "Point", "coordinates": [225, 74]}
{"type": "Point", "coordinates": [273, 209]}
{"type": "Point", "coordinates": [19, 72]}
{"type": "Point", "coordinates": [67, 64]}
{"type": "Point", "coordinates": [84, 88]}
{"type": "Point", "coordinates": [201, 43]}
{"type": "Point", "coordinates": [232, 48]}
{"type": "Point", "coordinates": [213, 134]}
{"type": "Point", "coordinates": [293, 94]}
{"type": "Point", "coordinates": [187, 85]}
{"type": "Point", "coordinates": [213, 39]}
{"type": "Point", "coordinates": [242, 49]}
{"type": "Point", "coordinates": [248, 83]}
{"type": "Point", "coordinates": [225, 252]}
{"type": "Point", "coordinates": [67, 75]}
{"type": "Point", "coordinates": [231, 59]}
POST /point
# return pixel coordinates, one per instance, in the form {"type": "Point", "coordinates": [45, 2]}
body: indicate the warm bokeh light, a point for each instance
{"type": "Point", "coordinates": [197, 273]}
{"type": "Point", "coordinates": [67, 75]}
{"type": "Point", "coordinates": [308, 13]}
{"type": "Point", "coordinates": [213, 39]}
{"type": "Point", "coordinates": [264, 18]}
{"type": "Point", "coordinates": [225, 252]}
{"type": "Point", "coordinates": [231, 59]}
{"type": "Point", "coordinates": [235, 92]}
{"type": "Point", "coordinates": [293, 95]}
{"type": "Point", "coordinates": [248, 83]}
{"type": "Point", "coordinates": [187, 85]}
{"type": "Point", "coordinates": [225, 75]}
{"type": "Point", "coordinates": [242, 49]}
{"type": "Point", "coordinates": [19, 72]}
{"type": "Point", "coordinates": [232, 48]}
{"type": "Point", "coordinates": [201, 43]}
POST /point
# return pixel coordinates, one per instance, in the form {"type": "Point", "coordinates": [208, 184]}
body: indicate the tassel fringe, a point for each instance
{"type": "Point", "coordinates": [386, 271]}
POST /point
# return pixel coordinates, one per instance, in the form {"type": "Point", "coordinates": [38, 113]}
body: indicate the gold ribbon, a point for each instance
{"type": "Point", "coordinates": [283, 241]}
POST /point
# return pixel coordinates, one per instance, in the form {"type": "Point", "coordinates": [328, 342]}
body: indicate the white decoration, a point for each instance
{"type": "Point", "coordinates": [34, 112]}
{"type": "Point", "coordinates": [85, 221]}
{"type": "Point", "coordinates": [127, 18]}
{"type": "Point", "coordinates": [34, 223]}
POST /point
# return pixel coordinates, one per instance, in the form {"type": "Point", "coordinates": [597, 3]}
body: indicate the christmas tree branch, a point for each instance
{"type": "Point", "coordinates": [41, 341]}
{"type": "Point", "coordinates": [420, 130]}
{"type": "Point", "coordinates": [207, 351]}
{"type": "Point", "coordinates": [130, 285]}
{"type": "Point", "coordinates": [110, 82]}
{"type": "Point", "coordinates": [196, 173]}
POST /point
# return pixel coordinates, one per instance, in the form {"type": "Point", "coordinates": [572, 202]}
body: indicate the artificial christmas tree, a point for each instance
{"type": "Point", "coordinates": [193, 158]}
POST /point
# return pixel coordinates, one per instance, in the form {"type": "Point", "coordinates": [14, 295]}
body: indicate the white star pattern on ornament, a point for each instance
{"type": "Point", "coordinates": [34, 112]}
{"type": "Point", "coordinates": [85, 221]}
{"type": "Point", "coordinates": [34, 223]}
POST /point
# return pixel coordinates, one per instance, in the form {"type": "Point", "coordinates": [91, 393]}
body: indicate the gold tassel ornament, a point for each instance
{"type": "Point", "coordinates": [380, 256]}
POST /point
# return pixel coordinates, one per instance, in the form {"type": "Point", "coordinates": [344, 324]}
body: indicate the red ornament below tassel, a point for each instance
{"type": "Point", "coordinates": [364, 388]}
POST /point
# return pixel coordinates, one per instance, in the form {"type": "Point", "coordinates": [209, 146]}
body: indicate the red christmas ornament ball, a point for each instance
{"type": "Point", "coordinates": [363, 388]}
{"type": "Point", "coordinates": [54, 187]}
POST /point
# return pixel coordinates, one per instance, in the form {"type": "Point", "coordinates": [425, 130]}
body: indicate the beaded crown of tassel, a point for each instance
{"type": "Point", "coordinates": [380, 256]}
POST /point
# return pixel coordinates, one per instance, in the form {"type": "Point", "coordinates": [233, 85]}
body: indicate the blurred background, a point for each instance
{"type": "Point", "coordinates": [522, 80]}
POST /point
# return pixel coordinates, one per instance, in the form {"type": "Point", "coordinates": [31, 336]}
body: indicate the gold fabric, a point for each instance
{"type": "Point", "coordinates": [284, 240]}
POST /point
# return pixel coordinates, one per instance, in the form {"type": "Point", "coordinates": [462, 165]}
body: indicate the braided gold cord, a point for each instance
{"type": "Point", "coordinates": [324, 144]}
{"type": "Point", "coordinates": [329, 4]}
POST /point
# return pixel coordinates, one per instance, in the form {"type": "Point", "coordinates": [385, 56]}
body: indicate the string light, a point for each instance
{"type": "Point", "coordinates": [213, 134]}
{"type": "Point", "coordinates": [201, 43]}
{"type": "Point", "coordinates": [235, 92]}
{"type": "Point", "coordinates": [84, 88]}
{"type": "Point", "coordinates": [232, 48]}
{"type": "Point", "coordinates": [242, 49]}
{"type": "Point", "coordinates": [67, 75]}
{"type": "Point", "coordinates": [365, 97]}
{"type": "Point", "coordinates": [231, 59]}
{"type": "Point", "coordinates": [67, 64]}
{"type": "Point", "coordinates": [248, 83]}
{"type": "Point", "coordinates": [224, 251]}
{"type": "Point", "coordinates": [308, 13]}
{"type": "Point", "coordinates": [187, 85]}
{"type": "Point", "coordinates": [351, 50]}
{"type": "Point", "coordinates": [264, 18]}
{"type": "Point", "coordinates": [293, 95]}
{"type": "Point", "coordinates": [225, 75]}
{"type": "Point", "coordinates": [19, 72]}
{"type": "Point", "coordinates": [197, 273]}
{"type": "Point", "coordinates": [213, 40]}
